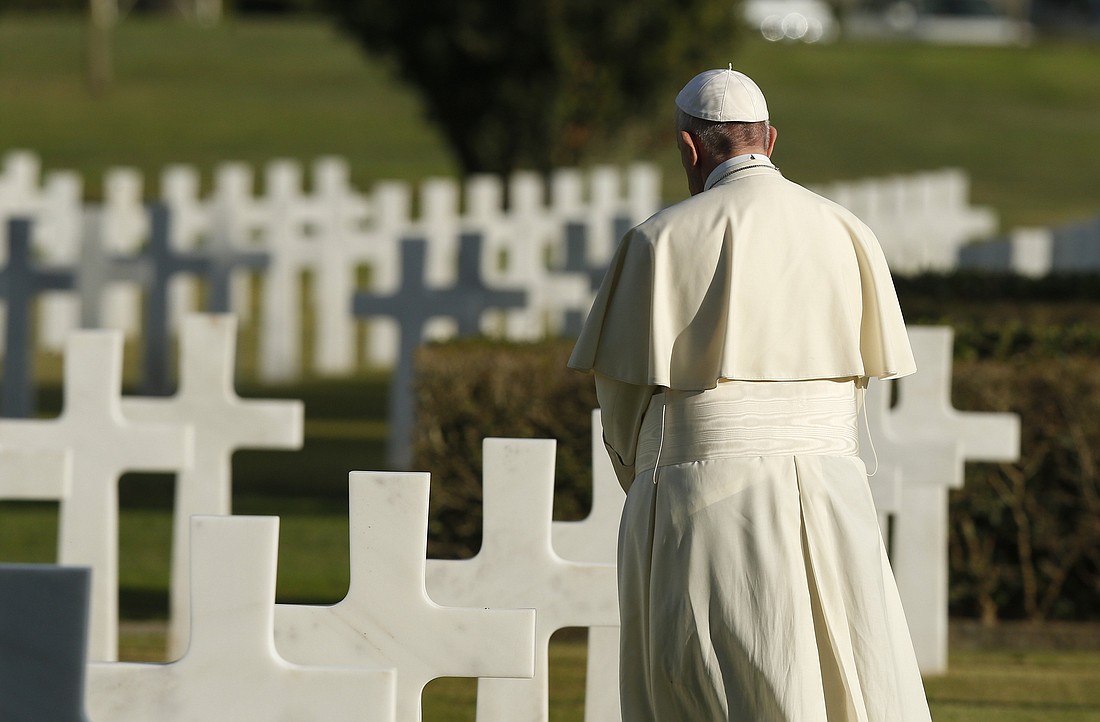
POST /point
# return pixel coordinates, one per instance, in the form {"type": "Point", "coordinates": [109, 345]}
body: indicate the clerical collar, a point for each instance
{"type": "Point", "coordinates": [726, 168]}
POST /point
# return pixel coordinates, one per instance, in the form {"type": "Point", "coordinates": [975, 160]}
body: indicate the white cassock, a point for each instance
{"type": "Point", "coordinates": [729, 341]}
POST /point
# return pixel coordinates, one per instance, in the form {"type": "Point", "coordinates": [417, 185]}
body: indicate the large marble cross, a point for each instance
{"type": "Point", "coordinates": [21, 281]}
{"type": "Point", "coordinates": [104, 445]}
{"type": "Point", "coordinates": [518, 567]}
{"type": "Point", "coordinates": [222, 423]}
{"type": "Point", "coordinates": [595, 539]}
{"type": "Point", "coordinates": [231, 671]}
{"type": "Point", "coordinates": [415, 303]}
{"type": "Point", "coordinates": [35, 475]}
{"type": "Point", "coordinates": [935, 441]}
{"type": "Point", "coordinates": [387, 620]}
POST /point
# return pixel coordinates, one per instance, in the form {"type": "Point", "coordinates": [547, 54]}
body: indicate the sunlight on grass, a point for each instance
{"type": "Point", "coordinates": [981, 686]}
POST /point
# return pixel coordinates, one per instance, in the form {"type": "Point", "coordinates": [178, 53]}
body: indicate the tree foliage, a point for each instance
{"type": "Point", "coordinates": [536, 83]}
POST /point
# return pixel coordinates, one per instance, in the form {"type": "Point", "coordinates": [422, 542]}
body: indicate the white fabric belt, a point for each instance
{"type": "Point", "coordinates": [750, 418]}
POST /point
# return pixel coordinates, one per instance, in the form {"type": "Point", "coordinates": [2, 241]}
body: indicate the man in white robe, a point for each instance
{"type": "Point", "coordinates": [730, 341]}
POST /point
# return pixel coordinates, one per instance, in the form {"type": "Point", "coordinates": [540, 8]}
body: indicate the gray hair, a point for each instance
{"type": "Point", "coordinates": [723, 140]}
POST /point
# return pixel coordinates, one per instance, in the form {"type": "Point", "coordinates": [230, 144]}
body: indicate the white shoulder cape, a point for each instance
{"type": "Point", "coordinates": [754, 279]}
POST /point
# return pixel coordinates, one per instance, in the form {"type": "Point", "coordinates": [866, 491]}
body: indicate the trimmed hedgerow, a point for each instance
{"type": "Point", "coordinates": [469, 390]}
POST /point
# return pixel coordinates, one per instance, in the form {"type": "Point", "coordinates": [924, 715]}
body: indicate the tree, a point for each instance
{"type": "Point", "coordinates": [536, 83]}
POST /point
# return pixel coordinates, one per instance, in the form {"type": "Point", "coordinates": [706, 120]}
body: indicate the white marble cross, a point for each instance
{"type": "Point", "coordinates": [341, 215]}
{"type": "Point", "coordinates": [285, 215]}
{"type": "Point", "coordinates": [603, 207]}
{"type": "Point", "coordinates": [391, 204]}
{"type": "Point", "coordinates": [232, 672]}
{"type": "Point", "coordinates": [19, 176]}
{"type": "Point", "coordinates": [235, 217]}
{"type": "Point", "coordinates": [104, 445]}
{"type": "Point", "coordinates": [438, 224]}
{"type": "Point", "coordinates": [57, 242]}
{"type": "Point", "coordinates": [518, 567]}
{"type": "Point", "coordinates": [222, 423]}
{"type": "Point", "coordinates": [179, 192]}
{"type": "Point", "coordinates": [44, 475]}
{"type": "Point", "coordinates": [924, 416]}
{"type": "Point", "coordinates": [888, 453]}
{"type": "Point", "coordinates": [596, 539]}
{"type": "Point", "coordinates": [125, 226]}
{"type": "Point", "coordinates": [387, 620]}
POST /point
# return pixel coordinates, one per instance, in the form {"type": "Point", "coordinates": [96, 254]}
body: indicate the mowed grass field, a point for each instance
{"type": "Point", "coordinates": [1022, 122]}
{"type": "Point", "coordinates": [981, 686]}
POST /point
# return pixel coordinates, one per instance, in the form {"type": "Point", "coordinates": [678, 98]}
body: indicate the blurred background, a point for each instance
{"type": "Point", "coordinates": [1007, 91]}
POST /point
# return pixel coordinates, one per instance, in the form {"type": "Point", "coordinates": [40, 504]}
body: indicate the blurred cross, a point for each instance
{"type": "Point", "coordinates": [215, 263]}
{"type": "Point", "coordinates": [413, 305]}
{"type": "Point", "coordinates": [21, 281]}
{"type": "Point", "coordinates": [577, 263]}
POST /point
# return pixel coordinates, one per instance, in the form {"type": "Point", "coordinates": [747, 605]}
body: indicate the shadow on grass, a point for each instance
{"type": "Point", "coordinates": [142, 604]}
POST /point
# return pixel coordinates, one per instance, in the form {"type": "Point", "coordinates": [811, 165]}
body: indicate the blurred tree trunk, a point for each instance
{"type": "Point", "coordinates": [102, 15]}
{"type": "Point", "coordinates": [208, 12]}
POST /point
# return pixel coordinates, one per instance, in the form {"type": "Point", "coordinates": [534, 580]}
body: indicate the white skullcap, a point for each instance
{"type": "Point", "coordinates": [723, 96]}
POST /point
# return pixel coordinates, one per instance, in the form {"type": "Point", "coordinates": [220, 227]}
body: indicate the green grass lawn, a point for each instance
{"type": "Point", "coordinates": [981, 686]}
{"type": "Point", "coordinates": [249, 91]}
{"type": "Point", "coordinates": [1009, 686]}
{"type": "Point", "coordinates": [1021, 121]}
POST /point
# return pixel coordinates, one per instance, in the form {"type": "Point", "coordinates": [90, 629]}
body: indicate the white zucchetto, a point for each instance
{"type": "Point", "coordinates": [723, 96]}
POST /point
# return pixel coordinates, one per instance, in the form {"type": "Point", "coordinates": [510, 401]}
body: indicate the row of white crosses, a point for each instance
{"type": "Point", "coordinates": [333, 230]}
{"type": "Point", "coordinates": [245, 656]}
{"type": "Point", "coordinates": [922, 220]}
{"type": "Point", "coordinates": [99, 436]}
{"type": "Point", "coordinates": [330, 232]}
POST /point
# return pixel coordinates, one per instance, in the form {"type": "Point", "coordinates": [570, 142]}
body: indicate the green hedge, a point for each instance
{"type": "Point", "coordinates": [467, 391]}
{"type": "Point", "coordinates": [1025, 537]}
{"type": "Point", "coordinates": [988, 286]}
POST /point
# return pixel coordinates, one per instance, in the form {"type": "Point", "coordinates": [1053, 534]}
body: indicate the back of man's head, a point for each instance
{"type": "Point", "coordinates": [724, 110]}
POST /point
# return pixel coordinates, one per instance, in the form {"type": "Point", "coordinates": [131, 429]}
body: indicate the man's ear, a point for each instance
{"type": "Point", "coordinates": [689, 152]}
{"type": "Point", "coordinates": [772, 135]}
